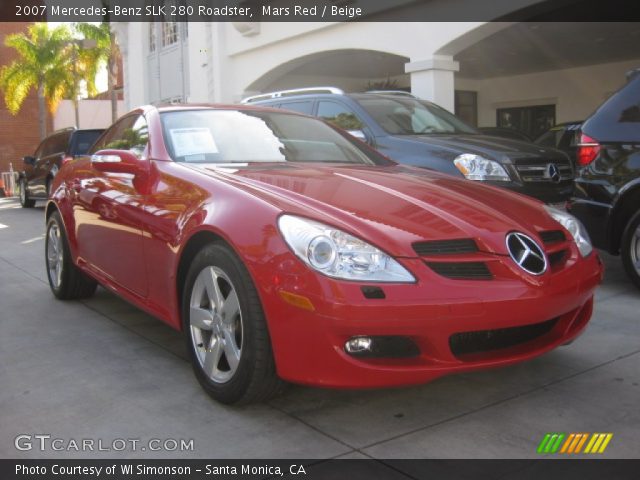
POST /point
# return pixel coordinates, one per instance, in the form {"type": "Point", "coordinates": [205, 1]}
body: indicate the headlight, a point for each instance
{"type": "Point", "coordinates": [575, 227]}
{"type": "Point", "coordinates": [475, 167]}
{"type": "Point", "coordinates": [338, 254]}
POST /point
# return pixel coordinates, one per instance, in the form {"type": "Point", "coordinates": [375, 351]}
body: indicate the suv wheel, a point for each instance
{"type": "Point", "coordinates": [25, 201]}
{"type": "Point", "coordinates": [630, 249]}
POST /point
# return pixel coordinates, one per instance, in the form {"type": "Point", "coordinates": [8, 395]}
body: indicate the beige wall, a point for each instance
{"type": "Point", "coordinates": [576, 92]}
{"type": "Point", "coordinates": [93, 114]}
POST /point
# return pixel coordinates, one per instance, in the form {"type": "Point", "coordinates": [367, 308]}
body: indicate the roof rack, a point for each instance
{"type": "Point", "coordinates": [399, 93]}
{"type": "Point", "coordinates": [290, 93]}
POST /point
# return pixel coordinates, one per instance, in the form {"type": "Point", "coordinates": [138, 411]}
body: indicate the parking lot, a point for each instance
{"type": "Point", "coordinates": [103, 369]}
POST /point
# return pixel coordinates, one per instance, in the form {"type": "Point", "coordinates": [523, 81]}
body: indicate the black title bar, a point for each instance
{"type": "Point", "coordinates": [317, 10]}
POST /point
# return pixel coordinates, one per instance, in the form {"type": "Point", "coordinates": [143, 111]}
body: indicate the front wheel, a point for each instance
{"type": "Point", "coordinates": [630, 249]}
{"type": "Point", "coordinates": [25, 201]}
{"type": "Point", "coordinates": [66, 280]}
{"type": "Point", "coordinates": [225, 329]}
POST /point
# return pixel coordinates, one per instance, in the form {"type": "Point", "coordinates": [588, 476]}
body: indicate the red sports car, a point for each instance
{"type": "Point", "coordinates": [287, 250]}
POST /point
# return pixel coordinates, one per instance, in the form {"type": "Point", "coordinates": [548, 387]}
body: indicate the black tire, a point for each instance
{"type": "Point", "coordinates": [25, 201]}
{"type": "Point", "coordinates": [71, 282]}
{"type": "Point", "coordinates": [254, 378]}
{"type": "Point", "coordinates": [630, 249]}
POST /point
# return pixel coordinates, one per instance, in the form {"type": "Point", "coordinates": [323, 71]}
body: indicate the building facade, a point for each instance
{"type": "Point", "coordinates": [528, 75]}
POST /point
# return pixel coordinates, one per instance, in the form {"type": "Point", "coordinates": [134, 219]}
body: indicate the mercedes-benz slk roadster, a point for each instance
{"type": "Point", "coordinates": [287, 250]}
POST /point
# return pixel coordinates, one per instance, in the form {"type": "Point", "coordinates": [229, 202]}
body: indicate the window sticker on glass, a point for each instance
{"type": "Point", "coordinates": [192, 141]}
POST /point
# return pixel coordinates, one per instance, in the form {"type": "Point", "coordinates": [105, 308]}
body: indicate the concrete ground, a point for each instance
{"type": "Point", "coordinates": [102, 369]}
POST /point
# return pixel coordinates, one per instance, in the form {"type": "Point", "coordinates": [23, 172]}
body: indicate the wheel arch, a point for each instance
{"type": "Point", "coordinates": [196, 242]}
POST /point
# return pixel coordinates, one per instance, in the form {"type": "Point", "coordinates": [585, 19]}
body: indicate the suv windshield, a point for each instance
{"type": "Point", "coordinates": [408, 116]}
{"type": "Point", "coordinates": [231, 136]}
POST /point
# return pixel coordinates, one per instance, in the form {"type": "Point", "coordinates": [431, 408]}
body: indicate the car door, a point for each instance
{"type": "Point", "coordinates": [47, 164]}
{"type": "Point", "coordinates": [108, 210]}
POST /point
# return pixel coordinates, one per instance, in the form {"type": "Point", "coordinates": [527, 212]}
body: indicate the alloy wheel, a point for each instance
{"type": "Point", "coordinates": [55, 255]}
{"type": "Point", "coordinates": [215, 322]}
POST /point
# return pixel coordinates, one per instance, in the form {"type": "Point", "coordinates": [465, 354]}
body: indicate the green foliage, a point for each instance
{"type": "Point", "coordinates": [42, 64]}
{"type": "Point", "coordinates": [91, 60]}
{"type": "Point", "coordinates": [346, 121]}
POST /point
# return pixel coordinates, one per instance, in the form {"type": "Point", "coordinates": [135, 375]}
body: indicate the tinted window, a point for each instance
{"type": "Point", "coordinates": [84, 140]}
{"type": "Point", "coordinates": [339, 115]}
{"type": "Point", "coordinates": [300, 107]}
{"type": "Point", "coordinates": [227, 136]}
{"type": "Point", "coordinates": [551, 138]}
{"type": "Point", "coordinates": [130, 133]}
{"type": "Point", "coordinates": [56, 144]}
{"type": "Point", "coordinates": [407, 116]}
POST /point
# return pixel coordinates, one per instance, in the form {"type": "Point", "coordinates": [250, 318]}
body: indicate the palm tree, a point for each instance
{"type": "Point", "coordinates": [105, 52]}
{"type": "Point", "coordinates": [42, 64]}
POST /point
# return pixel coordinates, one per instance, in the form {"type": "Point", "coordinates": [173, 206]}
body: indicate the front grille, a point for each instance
{"type": "Point", "coordinates": [556, 258]}
{"type": "Point", "coordinates": [445, 247]}
{"type": "Point", "coordinates": [462, 270]}
{"type": "Point", "coordinates": [550, 237]}
{"type": "Point", "coordinates": [488, 340]}
{"type": "Point", "coordinates": [539, 172]}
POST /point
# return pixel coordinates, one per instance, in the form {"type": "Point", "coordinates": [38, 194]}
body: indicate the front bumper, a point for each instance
{"type": "Point", "coordinates": [309, 345]}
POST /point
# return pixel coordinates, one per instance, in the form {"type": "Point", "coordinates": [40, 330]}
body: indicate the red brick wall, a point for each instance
{"type": "Point", "coordinates": [19, 135]}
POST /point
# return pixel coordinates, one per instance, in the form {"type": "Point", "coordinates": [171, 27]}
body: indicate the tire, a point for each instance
{"type": "Point", "coordinates": [66, 280]}
{"type": "Point", "coordinates": [630, 249]}
{"type": "Point", "coordinates": [225, 329]}
{"type": "Point", "coordinates": [25, 201]}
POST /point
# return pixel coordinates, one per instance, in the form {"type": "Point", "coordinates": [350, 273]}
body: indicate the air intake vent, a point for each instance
{"type": "Point", "coordinates": [488, 340]}
{"type": "Point", "coordinates": [462, 270]}
{"type": "Point", "coordinates": [556, 258]}
{"type": "Point", "coordinates": [552, 236]}
{"type": "Point", "coordinates": [445, 247]}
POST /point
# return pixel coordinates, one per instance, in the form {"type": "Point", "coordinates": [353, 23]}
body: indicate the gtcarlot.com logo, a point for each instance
{"type": "Point", "coordinates": [45, 442]}
{"type": "Point", "coordinates": [574, 443]}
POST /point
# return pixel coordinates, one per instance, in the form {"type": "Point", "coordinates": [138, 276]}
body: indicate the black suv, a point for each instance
{"type": "Point", "coordinates": [415, 132]}
{"type": "Point", "coordinates": [53, 151]}
{"type": "Point", "coordinates": [607, 196]}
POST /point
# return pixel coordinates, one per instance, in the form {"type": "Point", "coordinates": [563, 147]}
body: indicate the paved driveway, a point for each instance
{"type": "Point", "coordinates": [102, 369]}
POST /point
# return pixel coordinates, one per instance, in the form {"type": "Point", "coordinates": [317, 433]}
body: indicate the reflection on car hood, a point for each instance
{"type": "Point", "coordinates": [493, 148]}
{"type": "Point", "coordinates": [393, 206]}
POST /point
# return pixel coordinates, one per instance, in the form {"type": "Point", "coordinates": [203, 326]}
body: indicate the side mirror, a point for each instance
{"type": "Point", "coordinates": [29, 160]}
{"type": "Point", "coordinates": [360, 135]}
{"type": "Point", "coordinates": [118, 161]}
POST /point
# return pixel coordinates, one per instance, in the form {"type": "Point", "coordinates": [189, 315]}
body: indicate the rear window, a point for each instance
{"type": "Point", "coordinates": [618, 118]}
{"type": "Point", "coordinates": [84, 141]}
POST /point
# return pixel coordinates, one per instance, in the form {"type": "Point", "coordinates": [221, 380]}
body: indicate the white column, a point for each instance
{"type": "Point", "coordinates": [130, 40]}
{"type": "Point", "coordinates": [199, 56]}
{"type": "Point", "coordinates": [433, 79]}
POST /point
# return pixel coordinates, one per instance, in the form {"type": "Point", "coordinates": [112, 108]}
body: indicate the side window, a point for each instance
{"type": "Point", "coordinates": [339, 115]}
{"type": "Point", "coordinates": [300, 107]}
{"type": "Point", "coordinates": [130, 133]}
{"type": "Point", "coordinates": [54, 144]}
{"type": "Point", "coordinates": [39, 150]}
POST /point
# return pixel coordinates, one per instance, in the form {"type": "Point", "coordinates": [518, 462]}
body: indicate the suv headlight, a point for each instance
{"type": "Point", "coordinates": [475, 167]}
{"type": "Point", "coordinates": [337, 254]}
{"type": "Point", "coordinates": [575, 227]}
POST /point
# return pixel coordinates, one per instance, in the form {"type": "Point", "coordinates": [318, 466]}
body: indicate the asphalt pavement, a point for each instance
{"type": "Point", "coordinates": [103, 370]}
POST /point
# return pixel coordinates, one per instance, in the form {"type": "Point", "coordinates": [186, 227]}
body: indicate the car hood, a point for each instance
{"type": "Point", "coordinates": [494, 148]}
{"type": "Point", "coordinates": [391, 207]}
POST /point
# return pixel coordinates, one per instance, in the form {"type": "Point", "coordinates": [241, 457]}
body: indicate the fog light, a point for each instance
{"type": "Point", "coordinates": [358, 345]}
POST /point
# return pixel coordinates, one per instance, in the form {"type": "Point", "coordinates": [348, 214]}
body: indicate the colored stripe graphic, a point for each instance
{"type": "Point", "coordinates": [574, 443]}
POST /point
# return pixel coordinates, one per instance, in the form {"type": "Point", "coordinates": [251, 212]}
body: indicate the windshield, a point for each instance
{"type": "Point", "coordinates": [231, 136]}
{"type": "Point", "coordinates": [408, 116]}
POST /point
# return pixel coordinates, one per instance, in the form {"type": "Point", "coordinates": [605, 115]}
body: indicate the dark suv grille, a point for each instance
{"type": "Point", "coordinates": [488, 340]}
{"type": "Point", "coordinates": [445, 247]}
{"type": "Point", "coordinates": [538, 172]}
